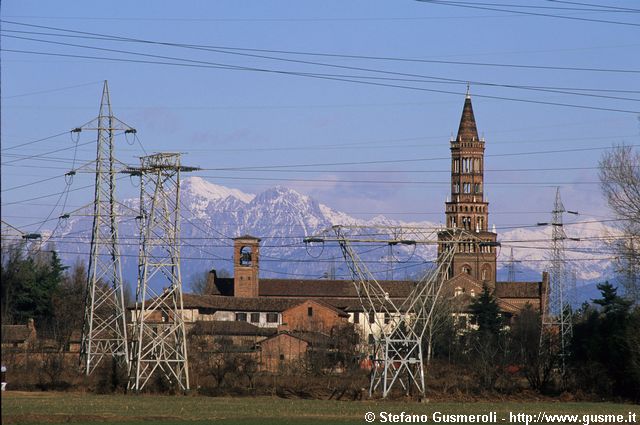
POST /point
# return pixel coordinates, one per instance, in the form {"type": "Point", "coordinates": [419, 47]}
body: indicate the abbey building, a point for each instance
{"type": "Point", "coordinates": [298, 313]}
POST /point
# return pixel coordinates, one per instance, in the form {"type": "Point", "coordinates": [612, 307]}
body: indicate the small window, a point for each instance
{"type": "Point", "coordinates": [281, 357]}
{"type": "Point", "coordinates": [371, 339]}
{"type": "Point", "coordinates": [309, 311]}
{"type": "Point", "coordinates": [356, 317]}
{"type": "Point", "coordinates": [372, 317]}
{"type": "Point", "coordinates": [241, 317]}
{"type": "Point", "coordinates": [272, 317]}
{"type": "Point", "coordinates": [255, 317]}
{"type": "Point", "coordinates": [387, 318]}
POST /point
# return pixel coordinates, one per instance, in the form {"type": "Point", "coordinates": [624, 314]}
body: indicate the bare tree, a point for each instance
{"type": "Point", "coordinates": [620, 181]}
{"type": "Point", "coordinates": [441, 320]}
{"type": "Point", "coordinates": [68, 305]}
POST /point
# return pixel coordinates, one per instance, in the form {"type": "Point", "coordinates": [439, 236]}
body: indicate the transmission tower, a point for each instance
{"type": "Point", "coordinates": [557, 328]}
{"type": "Point", "coordinates": [397, 348]}
{"type": "Point", "coordinates": [159, 339]}
{"type": "Point", "coordinates": [512, 268]}
{"type": "Point", "coordinates": [104, 332]}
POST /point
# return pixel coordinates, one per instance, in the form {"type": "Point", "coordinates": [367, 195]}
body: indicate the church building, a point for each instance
{"type": "Point", "coordinates": [314, 307]}
{"type": "Point", "coordinates": [474, 264]}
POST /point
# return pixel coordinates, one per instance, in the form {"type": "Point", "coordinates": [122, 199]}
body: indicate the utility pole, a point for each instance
{"type": "Point", "coordinates": [159, 338]}
{"type": "Point", "coordinates": [557, 328]}
{"type": "Point", "coordinates": [104, 331]}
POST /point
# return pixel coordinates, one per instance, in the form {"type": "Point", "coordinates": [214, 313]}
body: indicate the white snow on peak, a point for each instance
{"type": "Point", "coordinates": [338, 218]}
{"type": "Point", "coordinates": [200, 187]}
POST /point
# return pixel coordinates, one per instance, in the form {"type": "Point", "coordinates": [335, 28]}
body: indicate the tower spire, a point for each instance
{"type": "Point", "coordinates": [467, 131]}
{"type": "Point", "coordinates": [468, 208]}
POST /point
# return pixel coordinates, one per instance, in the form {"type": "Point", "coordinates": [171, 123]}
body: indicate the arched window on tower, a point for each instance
{"type": "Point", "coordinates": [245, 256]}
{"type": "Point", "coordinates": [467, 165]}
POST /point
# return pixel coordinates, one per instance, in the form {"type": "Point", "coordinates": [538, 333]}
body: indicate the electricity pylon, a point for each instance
{"type": "Point", "coordinates": [400, 323]}
{"type": "Point", "coordinates": [511, 268]}
{"type": "Point", "coordinates": [557, 328]}
{"type": "Point", "coordinates": [104, 331]}
{"type": "Point", "coordinates": [159, 338]}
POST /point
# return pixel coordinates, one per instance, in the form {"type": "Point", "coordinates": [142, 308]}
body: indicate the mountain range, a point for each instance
{"type": "Point", "coordinates": [212, 214]}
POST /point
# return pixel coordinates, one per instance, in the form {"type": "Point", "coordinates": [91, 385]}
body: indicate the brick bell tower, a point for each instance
{"type": "Point", "coordinates": [246, 252]}
{"type": "Point", "coordinates": [468, 208]}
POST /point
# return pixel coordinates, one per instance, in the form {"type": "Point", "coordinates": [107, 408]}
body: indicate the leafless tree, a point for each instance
{"type": "Point", "coordinates": [620, 181]}
{"type": "Point", "coordinates": [441, 320]}
{"type": "Point", "coordinates": [68, 305]}
{"type": "Point", "coordinates": [220, 363]}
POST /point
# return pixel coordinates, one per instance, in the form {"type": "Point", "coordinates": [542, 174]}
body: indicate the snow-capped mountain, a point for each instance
{"type": "Point", "coordinates": [281, 217]}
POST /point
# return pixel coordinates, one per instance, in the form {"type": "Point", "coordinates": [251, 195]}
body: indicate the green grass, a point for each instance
{"type": "Point", "coordinates": [79, 409]}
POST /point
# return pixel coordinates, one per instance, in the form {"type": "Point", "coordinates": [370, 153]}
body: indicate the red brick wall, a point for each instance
{"type": "Point", "coordinates": [278, 352]}
{"type": "Point", "coordinates": [322, 318]}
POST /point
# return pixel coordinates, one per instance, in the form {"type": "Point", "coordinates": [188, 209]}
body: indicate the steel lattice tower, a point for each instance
{"type": "Point", "coordinates": [557, 328]}
{"type": "Point", "coordinates": [159, 338]}
{"type": "Point", "coordinates": [511, 268]}
{"type": "Point", "coordinates": [104, 332]}
{"type": "Point", "coordinates": [397, 356]}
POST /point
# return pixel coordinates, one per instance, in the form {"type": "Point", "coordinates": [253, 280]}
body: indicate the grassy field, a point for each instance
{"type": "Point", "coordinates": [78, 408]}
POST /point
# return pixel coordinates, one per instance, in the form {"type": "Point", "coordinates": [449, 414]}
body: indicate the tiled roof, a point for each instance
{"type": "Point", "coordinates": [308, 288]}
{"type": "Point", "coordinates": [230, 328]}
{"type": "Point", "coordinates": [313, 338]}
{"type": "Point", "coordinates": [15, 333]}
{"type": "Point", "coordinates": [265, 304]}
{"type": "Point", "coordinates": [220, 302]}
{"type": "Point", "coordinates": [323, 304]}
{"type": "Point", "coordinates": [517, 290]}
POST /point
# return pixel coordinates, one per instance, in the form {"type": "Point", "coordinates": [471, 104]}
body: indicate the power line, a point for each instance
{"type": "Point", "coordinates": [423, 78]}
{"type": "Point", "coordinates": [388, 182]}
{"type": "Point", "coordinates": [50, 90]}
{"type": "Point", "coordinates": [322, 54]}
{"type": "Point", "coordinates": [405, 160]}
{"type": "Point", "coordinates": [351, 79]}
{"type": "Point", "coordinates": [612, 8]}
{"type": "Point", "coordinates": [326, 77]}
{"type": "Point", "coordinates": [46, 153]}
{"type": "Point", "coordinates": [485, 6]}
{"type": "Point", "coordinates": [34, 141]}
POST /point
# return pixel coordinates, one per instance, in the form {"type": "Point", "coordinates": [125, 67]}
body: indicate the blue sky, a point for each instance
{"type": "Point", "coordinates": [393, 142]}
